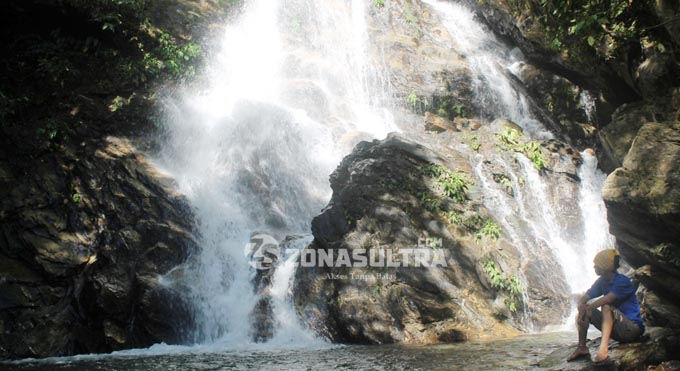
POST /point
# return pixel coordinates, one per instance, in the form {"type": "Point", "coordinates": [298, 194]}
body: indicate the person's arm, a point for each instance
{"type": "Point", "coordinates": [607, 299]}
{"type": "Point", "coordinates": [582, 302]}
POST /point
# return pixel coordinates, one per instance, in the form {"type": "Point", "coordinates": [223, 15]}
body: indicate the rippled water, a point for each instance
{"type": "Point", "coordinates": [520, 353]}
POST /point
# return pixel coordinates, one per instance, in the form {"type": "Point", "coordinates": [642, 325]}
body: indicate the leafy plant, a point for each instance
{"type": "Point", "coordinates": [473, 223]}
{"type": "Point", "coordinates": [429, 201]}
{"type": "Point", "coordinates": [454, 185]}
{"type": "Point", "coordinates": [494, 274]}
{"type": "Point", "coordinates": [509, 138]}
{"type": "Point", "coordinates": [454, 217]}
{"type": "Point", "coordinates": [533, 152]}
{"type": "Point", "coordinates": [412, 99]}
{"type": "Point", "coordinates": [474, 143]}
{"type": "Point", "coordinates": [379, 3]}
{"type": "Point", "coordinates": [460, 111]}
{"type": "Point", "coordinates": [490, 230]}
{"type": "Point", "coordinates": [511, 287]}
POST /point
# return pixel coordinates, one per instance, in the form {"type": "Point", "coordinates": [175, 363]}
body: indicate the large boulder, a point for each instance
{"type": "Point", "coordinates": [87, 235]}
{"type": "Point", "coordinates": [617, 137]}
{"type": "Point", "coordinates": [389, 196]}
{"type": "Point", "coordinates": [643, 205]}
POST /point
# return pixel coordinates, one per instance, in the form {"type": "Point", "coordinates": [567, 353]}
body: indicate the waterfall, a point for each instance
{"type": "Point", "coordinates": [489, 60]}
{"type": "Point", "coordinates": [596, 235]}
{"type": "Point", "coordinates": [526, 217]}
{"type": "Point", "coordinates": [290, 92]}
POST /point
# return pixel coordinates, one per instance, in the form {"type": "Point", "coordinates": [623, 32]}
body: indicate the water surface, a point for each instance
{"type": "Point", "coordinates": [519, 353]}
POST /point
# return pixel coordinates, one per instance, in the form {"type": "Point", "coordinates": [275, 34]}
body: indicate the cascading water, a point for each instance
{"type": "Point", "coordinates": [290, 92]}
{"type": "Point", "coordinates": [527, 218]}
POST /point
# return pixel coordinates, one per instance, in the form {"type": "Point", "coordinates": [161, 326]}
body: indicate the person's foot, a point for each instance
{"type": "Point", "coordinates": [600, 357]}
{"type": "Point", "coordinates": [581, 351]}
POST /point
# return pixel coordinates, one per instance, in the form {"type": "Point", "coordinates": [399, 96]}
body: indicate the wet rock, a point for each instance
{"type": "Point", "coordinates": [86, 234]}
{"type": "Point", "coordinates": [438, 124]}
{"type": "Point", "coordinates": [643, 207]}
{"type": "Point", "coordinates": [383, 200]}
{"type": "Point", "coordinates": [642, 203]}
{"type": "Point", "coordinates": [666, 366]}
{"type": "Point", "coordinates": [655, 310]}
{"type": "Point", "coordinates": [657, 345]}
{"type": "Point", "coordinates": [563, 101]}
{"type": "Point", "coordinates": [617, 137]}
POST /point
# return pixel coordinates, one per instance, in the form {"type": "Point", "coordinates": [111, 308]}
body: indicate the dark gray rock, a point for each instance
{"type": "Point", "coordinates": [657, 345]}
{"type": "Point", "coordinates": [85, 237]}
{"type": "Point", "coordinates": [382, 199]}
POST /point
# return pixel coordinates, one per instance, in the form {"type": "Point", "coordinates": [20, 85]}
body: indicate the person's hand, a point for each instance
{"type": "Point", "coordinates": [589, 308]}
{"type": "Point", "coordinates": [581, 307]}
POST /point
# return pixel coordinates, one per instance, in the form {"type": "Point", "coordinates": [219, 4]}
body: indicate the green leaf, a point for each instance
{"type": "Point", "coordinates": [591, 40]}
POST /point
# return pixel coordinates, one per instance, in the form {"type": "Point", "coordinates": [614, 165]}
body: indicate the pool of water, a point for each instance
{"type": "Point", "coordinates": [519, 353]}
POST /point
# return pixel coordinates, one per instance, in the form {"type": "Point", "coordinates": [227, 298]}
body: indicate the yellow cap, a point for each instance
{"type": "Point", "coordinates": [605, 259]}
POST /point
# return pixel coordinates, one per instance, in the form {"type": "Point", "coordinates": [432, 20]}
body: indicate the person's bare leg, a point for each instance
{"type": "Point", "coordinates": [582, 324]}
{"type": "Point", "coordinates": [607, 325]}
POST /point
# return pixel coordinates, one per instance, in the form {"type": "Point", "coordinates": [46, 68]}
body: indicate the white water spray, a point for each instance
{"type": "Point", "coordinates": [254, 148]}
{"type": "Point", "coordinates": [531, 224]}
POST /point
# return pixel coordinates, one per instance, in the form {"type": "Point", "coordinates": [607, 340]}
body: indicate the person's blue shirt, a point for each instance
{"type": "Point", "coordinates": [626, 301]}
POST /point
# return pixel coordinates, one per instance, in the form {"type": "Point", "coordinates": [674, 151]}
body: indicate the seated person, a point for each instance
{"type": "Point", "coordinates": [620, 316]}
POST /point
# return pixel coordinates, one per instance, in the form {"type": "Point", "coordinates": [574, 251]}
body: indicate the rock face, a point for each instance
{"type": "Point", "coordinates": [388, 196]}
{"type": "Point", "coordinates": [659, 345]}
{"type": "Point", "coordinates": [643, 203]}
{"type": "Point", "coordinates": [86, 236]}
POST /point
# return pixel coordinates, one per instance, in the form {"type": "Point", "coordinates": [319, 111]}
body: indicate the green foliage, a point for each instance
{"type": "Point", "coordinates": [429, 201]}
{"type": "Point", "coordinates": [448, 108]}
{"type": "Point", "coordinates": [117, 103]}
{"type": "Point", "coordinates": [597, 27]}
{"type": "Point", "coordinates": [75, 195]}
{"type": "Point", "coordinates": [490, 230]}
{"type": "Point", "coordinates": [504, 181]}
{"type": "Point", "coordinates": [459, 110]}
{"type": "Point", "coordinates": [509, 286]}
{"type": "Point", "coordinates": [533, 152]}
{"type": "Point", "coordinates": [412, 99]}
{"type": "Point", "coordinates": [474, 143]}
{"type": "Point", "coordinates": [416, 103]}
{"type": "Point", "coordinates": [408, 12]}
{"type": "Point", "coordinates": [511, 139]}
{"type": "Point", "coordinates": [379, 3]}
{"type": "Point", "coordinates": [496, 277]}
{"type": "Point", "coordinates": [167, 55]}
{"type": "Point", "coordinates": [454, 217]}
{"type": "Point", "coordinates": [473, 223]}
{"type": "Point", "coordinates": [53, 131]}
{"type": "Point", "coordinates": [454, 185]}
